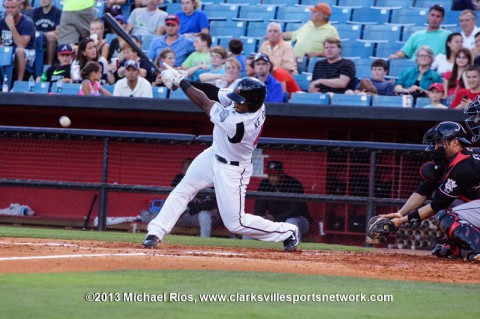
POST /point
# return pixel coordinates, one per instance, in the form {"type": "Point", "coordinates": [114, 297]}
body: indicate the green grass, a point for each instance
{"type": "Point", "coordinates": [62, 295]}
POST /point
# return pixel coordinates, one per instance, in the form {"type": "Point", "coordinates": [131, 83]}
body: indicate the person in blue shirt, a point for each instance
{"type": "Point", "coordinates": [263, 66]}
{"type": "Point", "coordinates": [192, 20]}
{"type": "Point", "coordinates": [173, 40]}
{"type": "Point", "coordinates": [47, 19]}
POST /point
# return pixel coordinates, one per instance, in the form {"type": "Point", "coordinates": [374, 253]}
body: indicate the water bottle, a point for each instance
{"type": "Point", "coordinates": [5, 84]}
{"type": "Point", "coordinates": [60, 85]}
{"type": "Point", "coordinates": [31, 84]}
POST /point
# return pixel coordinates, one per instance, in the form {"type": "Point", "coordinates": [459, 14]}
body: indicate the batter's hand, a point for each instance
{"type": "Point", "coordinates": [172, 77]}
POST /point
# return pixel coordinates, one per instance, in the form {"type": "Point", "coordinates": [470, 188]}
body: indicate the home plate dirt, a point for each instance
{"type": "Point", "coordinates": [27, 255]}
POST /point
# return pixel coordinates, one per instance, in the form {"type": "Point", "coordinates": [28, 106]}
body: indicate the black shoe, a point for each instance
{"type": "Point", "coordinates": [474, 258]}
{"type": "Point", "coordinates": [291, 243]}
{"type": "Point", "coordinates": [151, 241]}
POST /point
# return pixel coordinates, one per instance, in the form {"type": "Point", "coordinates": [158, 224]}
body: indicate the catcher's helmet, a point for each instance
{"type": "Point", "coordinates": [445, 131]}
{"type": "Point", "coordinates": [473, 121]}
{"type": "Point", "coordinates": [251, 91]}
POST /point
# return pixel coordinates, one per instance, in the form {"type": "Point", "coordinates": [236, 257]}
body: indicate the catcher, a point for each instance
{"type": "Point", "coordinates": [453, 174]}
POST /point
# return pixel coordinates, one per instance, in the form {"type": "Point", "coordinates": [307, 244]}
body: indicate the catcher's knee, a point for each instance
{"type": "Point", "coordinates": [459, 233]}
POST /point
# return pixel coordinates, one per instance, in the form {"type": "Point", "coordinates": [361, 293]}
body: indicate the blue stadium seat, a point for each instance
{"type": "Point", "coordinates": [384, 49]}
{"type": "Point", "coordinates": [281, 2]}
{"type": "Point", "coordinates": [356, 3]}
{"type": "Point", "coordinates": [387, 101]}
{"type": "Point", "coordinates": [292, 26]}
{"type": "Point", "coordinates": [242, 2]}
{"type": "Point", "coordinates": [302, 63]}
{"type": "Point", "coordinates": [394, 3]}
{"type": "Point", "coordinates": [159, 92]}
{"type": "Point", "coordinates": [363, 68]}
{"type": "Point", "coordinates": [6, 66]}
{"type": "Point", "coordinates": [452, 17]}
{"type": "Point", "coordinates": [340, 15]}
{"type": "Point", "coordinates": [250, 45]}
{"type": "Point", "coordinates": [22, 87]}
{"type": "Point", "coordinates": [368, 15]}
{"type": "Point", "coordinates": [99, 9]}
{"type": "Point", "coordinates": [310, 98]}
{"type": "Point", "coordinates": [257, 30]}
{"type": "Point", "coordinates": [409, 29]}
{"type": "Point", "coordinates": [382, 33]}
{"type": "Point", "coordinates": [235, 29]}
{"type": "Point", "coordinates": [349, 31]}
{"type": "Point", "coordinates": [108, 87]}
{"type": "Point", "coordinates": [314, 2]}
{"type": "Point", "coordinates": [223, 41]}
{"type": "Point", "coordinates": [67, 88]}
{"type": "Point", "coordinates": [361, 49]}
{"type": "Point", "coordinates": [146, 40]}
{"type": "Point", "coordinates": [58, 3]}
{"type": "Point", "coordinates": [311, 63]}
{"type": "Point", "coordinates": [397, 66]}
{"type": "Point", "coordinates": [109, 37]}
{"type": "Point", "coordinates": [303, 80]}
{"type": "Point", "coordinates": [420, 102]}
{"type": "Point", "coordinates": [178, 95]}
{"type": "Point", "coordinates": [290, 14]}
{"type": "Point", "coordinates": [409, 16]}
{"type": "Point", "coordinates": [224, 11]}
{"type": "Point", "coordinates": [126, 9]}
{"type": "Point", "coordinates": [37, 68]}
{"type": "Point", "coordinates": [173, 7]}
{"type": "Point", "coordinates": [257, 13]}
{"type": "Point", "coordinates": [351, 100]}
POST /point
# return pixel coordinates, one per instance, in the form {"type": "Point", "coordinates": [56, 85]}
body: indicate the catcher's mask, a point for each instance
{"type": "Point", "coordinates": [440, 133]}
{"type": "Point", "coordinates": [251, 91]}
{"type": "Point", "coordinates": [473, 121]}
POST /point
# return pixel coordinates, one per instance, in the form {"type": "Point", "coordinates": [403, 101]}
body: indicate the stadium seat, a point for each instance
{"type": "Point", "coordinates": [302, 63]}
{"type": "Point", "coordinates": [22, 87]}
{"type": "Point", "coordinates": [257, 30]}
{"type": "Point", "coordinates": [234, 29]}
{"type": "Point", "coordinates": [67, 88]}
{"type": "Point", "coordinates": [292, 26]}
{"type": "Point", "coordinates": [250, 45]}
{"type": "Point", "coordinates": [146, 40]}
{"type": "Point", "coordinates": [159, 92]}
{"type": "Point", "coordinates": [109, 37]}
{"type": "Point", "coordinates": [109, 87]}
{"type": "Point", "coordinates": [310, 98]}
{"type": "Point", "coordinates": [290, 14]}
{"type": "Point", "coordinates": [349, 31]}
{"type": "Point", "coordinates": [178, 95]}
{"type": "Point", "coordinates": [361, 49]}
{"type": "Point", "coordinates": [173, 7]}
{"type": "Point", "coordinates": [340, 15]}
{"type": "Point", "coordinates": [281, 2]}
{"type": "Point", "coordinates": [221, 11]}
{"type": "Point", "coordinates": [356, 3]}
{"type": "Point", "coordinates": [452, 17]}
{"type": "Point", "coordinates": [409, 16]}
{"type": "Point", "coordinates": [382, 33]}
{"type": "Point", "coordinates": [303, 80]}
{"type": "Point", "coordinates": [420, 102]}
{"type": "Point", "coordinates": [397, 66]}
{"type": "Point", "coordinates": [242, 2]}
{"type": "Point", "coordinates": [394, 3]}
{"type": "Point", "coordinates": [408, 30]}
{"type": "Point", "coordinates": [384, 49]}
{"type": "Point", "coordinates": [58, 4]}
{"type": "Point", "coordinates": [387, 101]}
{"type": "Point", "coordinates": [368, 15]}
{"type": "Point", "coordinates": [311, 63]}
{"type": "Point", "coordinates": [100, 9]}
{"type": "Point", "coordinates": [351, 100]}
{"type": "Point", "coordinates": [314, 2]}
{"type": "Point", "coordinates": [257, 13]}
{"type": "Point", "coordinates": [6, 66]}
{"type": "Point", "coordinates": [363, 68]}
{"type": "Point", "coordinates": [37, 68]}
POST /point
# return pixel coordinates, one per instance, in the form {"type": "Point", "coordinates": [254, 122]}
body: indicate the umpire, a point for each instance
{"type": "Point", "coordinates": [293, 212]}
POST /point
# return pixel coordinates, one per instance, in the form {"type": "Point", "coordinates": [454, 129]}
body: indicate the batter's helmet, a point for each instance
{"type": "Point", "coordinates": [473, 121]}
{"type": "Point", "coordinates": [251, 91]}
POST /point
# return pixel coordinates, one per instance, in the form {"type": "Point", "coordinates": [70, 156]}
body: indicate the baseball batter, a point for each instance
{"type": "Point", "coordinates": [226, 165]}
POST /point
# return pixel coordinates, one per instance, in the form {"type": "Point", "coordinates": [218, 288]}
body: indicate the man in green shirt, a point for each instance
{"type": "Point", "coordinates": [75, 21]}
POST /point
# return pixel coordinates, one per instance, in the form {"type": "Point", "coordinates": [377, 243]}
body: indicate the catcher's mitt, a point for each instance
{"type": "Point", "coordinates": [378, 230]}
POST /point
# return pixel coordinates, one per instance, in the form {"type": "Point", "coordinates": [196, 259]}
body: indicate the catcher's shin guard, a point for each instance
{"type": "Point", "coordinates": [460, 233]}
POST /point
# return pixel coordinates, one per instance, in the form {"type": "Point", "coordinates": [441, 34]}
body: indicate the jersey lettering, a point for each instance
{"type": "Point", "coordinates": [240, 131]}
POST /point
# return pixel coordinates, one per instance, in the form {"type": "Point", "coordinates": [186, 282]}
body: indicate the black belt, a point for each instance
{"type": "Point", "coordinates": [224, 161]}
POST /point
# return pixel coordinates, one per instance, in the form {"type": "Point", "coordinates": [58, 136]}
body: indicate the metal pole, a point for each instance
{"type": "Point", "coordinates": [371, 188]}
{"type": "Point", "coordinates": [102, 207]}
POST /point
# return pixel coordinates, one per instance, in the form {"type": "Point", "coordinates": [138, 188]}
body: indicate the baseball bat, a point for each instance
{"type": "Point", "coordinates": [87, 218]}
{"type": "Point", "coordinates": [118, 30]}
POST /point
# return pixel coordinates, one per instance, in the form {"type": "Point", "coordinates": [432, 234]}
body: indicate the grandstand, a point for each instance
{"type": "Point", "coordinates": [368, 28]}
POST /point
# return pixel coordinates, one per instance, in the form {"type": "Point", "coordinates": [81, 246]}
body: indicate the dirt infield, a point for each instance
{"type": "Point", "coordinates": [22, 255]}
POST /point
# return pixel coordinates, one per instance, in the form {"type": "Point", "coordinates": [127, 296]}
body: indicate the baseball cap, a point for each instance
{"type": "Point", "coordinates": [132, 64]}
{"type": "Point", "coordinates": [261, 56]}
{"type": "Point", "coordinates": [172, 19]}
{"type": "Point", "coordinates": [274, 167]}
{"type": "Point", "coordinates": [121, 18]}
{"type": "Point", "coordinates": [438, 86]}
{"type": "Point", "coordinates": [64, 49]}
{"type": "Point", "coordinates": [323, 8]}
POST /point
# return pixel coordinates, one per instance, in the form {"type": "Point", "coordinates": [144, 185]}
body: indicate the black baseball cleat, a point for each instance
{"type": "Point", "coordinates": [151, 241]}
{"type": "Point", "coordinates": [474, 258]}
{"type": "Point", "coordinates": [290, 244]}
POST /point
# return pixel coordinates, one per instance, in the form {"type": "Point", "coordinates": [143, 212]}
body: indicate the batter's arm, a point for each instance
{"type": "Point", "coordinates": [196, 96]}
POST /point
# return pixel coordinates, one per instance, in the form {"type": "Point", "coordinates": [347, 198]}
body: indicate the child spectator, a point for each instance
{"type": "Point", "coordinates": [97, 30]}
{"type": "Point", "coordinates": [235, 46]}
{"type": "Point", "coordinates": [167, 56]}
{"type": "Point", "coordinates": [61, 70]}
{"type": "Point", "coordinates": [91, 76]}
{"type": "Point", "coordinates": [435, 93]}
{"type": "Point", "coordinates": [382, 86]}
{"type": "Point", "coordinates": [198, 61]}
{"type": "Point", "coordinates": [218, 56]}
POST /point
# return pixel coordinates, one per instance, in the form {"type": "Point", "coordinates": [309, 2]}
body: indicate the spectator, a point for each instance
{"type": "Point", "coordinates": [262, 66]}
{"type": "Point", "coordinates": [436, 93]}
{"type": "Point", "coordinates": [293, 212]}
{"type": "Point", "coordinates": [173, 40]}
{"type": "Point", "coordinates": [91, 76]}
{"type": "Point", "coordinates": [463, 97]}
{"type": "Point", "coordinates": [47, 20]}
{"type": "Point", "coordinates": [75, 20]}
{"type": "Point", "coordinates": [416, 80]}
{"type": "Point", "coordinates": [334, 74]}
{"type": "Point", "coordinates": [132, 85]}
{"type": "Point", "coordinates": [18, 32]}
{"type": "Point", "coordinates": [235, 46]}
{"type": "Point", "coordinates": [216, 71]}
{"type": "Point", "coordinates": [114, 48]}
{"type": "Point", "coordinates": [87, 51]}
{"type": "Point", "coordinates": [128, 53]}
{"type": "Point", "coordinates": [310, 38]}
{"type": "Point", "coordinates": [198, 61]}
{"type": "Point", "coordinates": [382, 86]}
{"type": "Point", "coordinates": [476, 49]}
{"type": "Point", "coordinates": [26, 7]}
{"type": "Point", "coordinates": [97, 30]}
{"type": "Point", "coordinates": [468, 24]}
{"type": "Point", "coordinates": [463, 5]}
{"type": "Point", "coordinates": [202, 211]}
{"type": "Point", "coordinates": [232, 74]}
{"type": "Point", "coordinates": [167, 56]}
{"type": "Point", "coordinates": [249, 69]}
{"type": "Point", "coordinates": [192, 20]}
{"type": "Point", "coordinates": [280, 52]}
{"type": "Point", "coordinates": [444, 62]}
{"type": "Point", "coordinates": [433, 36]}
{"type": "Point", "coordinates": [453, 80]}
{"type": "Point", "coordinates": [61, 70]}
{"type": "Point", "coordinates": [148, 20]}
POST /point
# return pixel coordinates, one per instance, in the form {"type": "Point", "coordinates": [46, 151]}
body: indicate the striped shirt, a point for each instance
{"type": "Point", "coordinates": [325, 70]}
